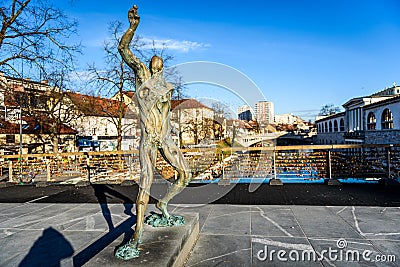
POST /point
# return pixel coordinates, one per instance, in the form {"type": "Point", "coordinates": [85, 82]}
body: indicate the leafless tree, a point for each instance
{"type": "Point", "coordinates": [198, 128]}
{"type": "Point", "coordinates": [52, 108]}
{"type": "Point", "coordinates": [115, 79]}
{"type": "Point", "coordinates": [329, 109]}
{"type": "Point", "coordinates": [34, 34]}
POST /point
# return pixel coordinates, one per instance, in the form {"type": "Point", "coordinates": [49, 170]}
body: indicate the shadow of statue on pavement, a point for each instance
{"type": "Point", "coordinates": [48, 250]}
{"type": "Point", "coordinates": [104, 191]}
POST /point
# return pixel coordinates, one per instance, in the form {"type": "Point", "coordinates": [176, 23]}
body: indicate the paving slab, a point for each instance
{"type": "Point", "coordinates": [230, 235]}
{"type": "Point", "coordinates": [203, 211]}
{"type": "Point", "coordinates": [229, 220]}
{"type": "Point", "coordinates": [374, 222]}
{"type": "Point", "coordinates": [322, 222]}
{"type": "Point", "coordinates": [221, 250]}
{"type": "Point", "coordinates": [274, 221]}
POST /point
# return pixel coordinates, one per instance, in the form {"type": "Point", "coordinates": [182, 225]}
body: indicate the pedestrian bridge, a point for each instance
{"type": "Point", "coordinates": [308, 162]}
{"type": "Point", "coordinates": [246, 140]}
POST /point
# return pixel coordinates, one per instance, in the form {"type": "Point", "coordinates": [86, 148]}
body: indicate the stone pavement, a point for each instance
{"type": "Point", "coordinates": [34, 234]}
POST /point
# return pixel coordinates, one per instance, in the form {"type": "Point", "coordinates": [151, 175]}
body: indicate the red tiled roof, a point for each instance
{"type": "Point", "coordinates": [129, 93]}
{"type": "Point", "coordinates": [33, 126]}
{"type": "Point", "coordinates": [96, 106]}
{"type": "Point", "coordinates": [187, 103]}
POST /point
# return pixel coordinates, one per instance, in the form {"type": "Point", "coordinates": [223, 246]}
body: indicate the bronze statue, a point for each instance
{"type": "Point", "coordinates": [154, 100]}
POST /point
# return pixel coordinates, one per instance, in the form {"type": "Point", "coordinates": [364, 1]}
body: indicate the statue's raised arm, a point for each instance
{"type": "Point", "coordinates": [140, 69]}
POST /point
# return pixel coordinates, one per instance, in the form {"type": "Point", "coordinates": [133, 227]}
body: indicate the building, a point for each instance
{"type": "Point", "coordinates": [99, 121]}
{"type": "Point", "coordinates": [245, 115]}
{"type": "Point", "coordinates": [373, 119]}
{"type": "Point", "coordinates": [91, 123]}
{"type": "Point", "coordinates": [264, 112]}
{"type": "Point", "coordinates": [35, 137]}
{"type": "Point", "coordinates": [331, 129]}
{"type": "Point", "coordinates": [40, 111]}
{"type": "Point", "coordinates": [244, 108]}
{"type": "Point", "coordinates": [287, 119]}
{"type": "Point", "coordinates": [194, 121]}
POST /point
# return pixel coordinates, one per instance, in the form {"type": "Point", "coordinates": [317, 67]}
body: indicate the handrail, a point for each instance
{"type": "Point", "coordinates": [218, 150]}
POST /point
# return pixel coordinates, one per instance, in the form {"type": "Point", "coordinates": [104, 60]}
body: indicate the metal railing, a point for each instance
{"type": "Point", "coordinates": [308, 162]}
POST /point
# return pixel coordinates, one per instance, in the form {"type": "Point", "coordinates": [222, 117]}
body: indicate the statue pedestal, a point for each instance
{"type": "Point", "coordinates": [162, 246]}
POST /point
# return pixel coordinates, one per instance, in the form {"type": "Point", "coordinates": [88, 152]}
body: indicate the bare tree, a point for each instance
{"type": "Point", "coordinates": [329, 109]}
{"type": "Point", "coordinates": [34, 33]}
{"type": "Point", "coordinates": [115, 79]}
{"type": "Point", "coordinates": [199, 128]}
{"type": "Point", "coordinates": [52, 108]}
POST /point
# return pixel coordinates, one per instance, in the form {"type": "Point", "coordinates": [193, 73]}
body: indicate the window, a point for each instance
{"type": "Point", "coordinates": [371, 121]}
{"type": "Point", "coordinates": [42, 102]}
{"type": "Point", "coordinates": [330, 126]}
{"type": "Point", "coordinates": [341, 125]}
{"type": "Point", "coordinates": [335, 126]}
{"type": "Point", "coordinates": [10, 139]}
{"type": "Point", "coordinates": [326, 127]}
{"type": "Point", "coordinates": [387, 119]}
{"type": "Point", "coordinates": [33, 101]}
{"type": "Point", "coordinates": [21, 99]}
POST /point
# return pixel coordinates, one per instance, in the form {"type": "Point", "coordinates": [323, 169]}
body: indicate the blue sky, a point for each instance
{"type": "Point", "coordinates": [302, 54]}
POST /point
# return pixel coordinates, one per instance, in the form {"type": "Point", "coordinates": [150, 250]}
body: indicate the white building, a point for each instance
{"type": "Point", "coordinates": [244, 108]}
{"type": "Point", "coordinates": [99, 121]}
{"type": "Point", "coordinates": [287, 119]}
{"type": "Point", "coordinates": [193, 120]}
{"type": "Point", "coordinates": [264, 112]}
{"type": "Point", "coordinates": [372, 119]}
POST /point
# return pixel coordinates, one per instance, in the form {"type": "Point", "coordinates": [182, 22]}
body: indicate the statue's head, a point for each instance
{"type": "Point", "coordinates": [156, 64]}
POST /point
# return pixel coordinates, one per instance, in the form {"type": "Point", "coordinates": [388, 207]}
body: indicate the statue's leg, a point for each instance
{"type": "Point", "coordinates": [172, 154]}
{"type": "Point", "coordinates": [147, 158]}
{"type": "Point", "coordinates": [147, 161]}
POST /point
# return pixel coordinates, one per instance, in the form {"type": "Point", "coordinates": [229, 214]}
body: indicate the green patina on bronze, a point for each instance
{"type": "Point", "coordinates": [157, 220]}
{"type": "Point", "coordinates": [127, 252]}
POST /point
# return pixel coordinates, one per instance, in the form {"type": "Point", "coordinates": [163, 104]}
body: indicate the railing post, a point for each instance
{"type": "Point", "coordinates": [223, 166]}
{"type": "Point", "coordinates": [275, 181]}
{"type": "Point", "coordinates": [10, 171]}
{"type": "Point", "coordinates": [388, 162]}
{"type": "Point", "coordinates": [274, 162]}
{"type": "Point", "coordinates": [130, 160]}
{"type": "Point", "coordinates": [329, 164]}
{"type": "Point", "coordinates": [48, 171]}
{"type": "Point", "coordinates": [88, 167]}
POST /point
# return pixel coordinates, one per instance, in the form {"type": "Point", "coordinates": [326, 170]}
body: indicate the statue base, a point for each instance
{"type": "Point", "coordinates": [161, 246]}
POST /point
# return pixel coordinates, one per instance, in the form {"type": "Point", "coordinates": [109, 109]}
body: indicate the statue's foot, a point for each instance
{"type": "Point", "coordinates": [158, 220]}
{"type": "Point", "coordinates": [162, 206]}
{"type": "Point", "coordinates": [128, 251]}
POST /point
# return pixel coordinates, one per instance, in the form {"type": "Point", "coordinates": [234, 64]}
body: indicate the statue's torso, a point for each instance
{"type": "Point", "coordinates": [154, 99]}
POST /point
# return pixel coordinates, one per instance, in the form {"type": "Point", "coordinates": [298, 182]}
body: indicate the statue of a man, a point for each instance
{"type": "Point", "coordinates": [154, 100]}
